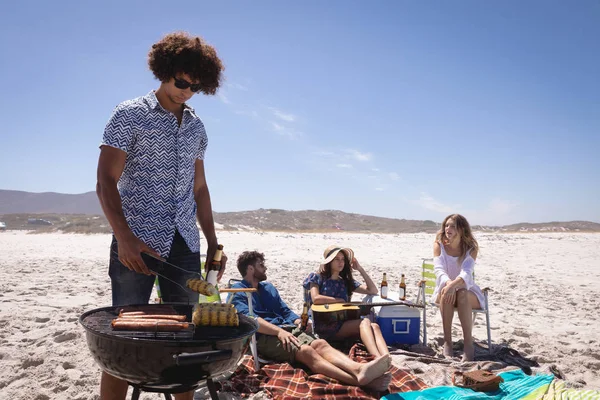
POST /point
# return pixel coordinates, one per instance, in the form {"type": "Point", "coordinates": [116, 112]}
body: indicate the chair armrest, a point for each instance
{"type": "Point", "coordinates": [421, 293]}
{"type": "Point", "coordinates": [238, 290]}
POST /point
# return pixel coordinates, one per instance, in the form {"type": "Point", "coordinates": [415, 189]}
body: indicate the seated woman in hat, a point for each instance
{"type": "Point", "coordinates": [333, 283]}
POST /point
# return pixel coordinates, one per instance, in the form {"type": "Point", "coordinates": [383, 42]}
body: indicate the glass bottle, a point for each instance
{"type": "Point", "coordinates": [384, 287]}
{"type": "Point", "coordinates": [304, 317]}
{"type": "Point", "coordinates": [212, 274]}
{"type": "Point", "coordinates": [402, 293]}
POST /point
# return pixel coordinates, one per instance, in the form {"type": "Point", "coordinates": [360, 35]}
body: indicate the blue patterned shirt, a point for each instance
{"type": "Point", "coordinates": [329, 287]}
{"type": "Point", "coordinates": [157, 184]}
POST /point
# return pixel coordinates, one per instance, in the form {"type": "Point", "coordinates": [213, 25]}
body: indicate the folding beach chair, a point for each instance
{"type": "Point", "coordinates": [426, 288]}
{"type": "Point", "coordinates": [224, 297]}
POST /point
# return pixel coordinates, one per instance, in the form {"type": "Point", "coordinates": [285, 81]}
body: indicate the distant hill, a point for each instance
{"type": "Point", "coordinates": [319, 220]}
{"type": "Point", "coordinates": [14, 201]}
{"type": "Point", "coordinates": [82, 213]}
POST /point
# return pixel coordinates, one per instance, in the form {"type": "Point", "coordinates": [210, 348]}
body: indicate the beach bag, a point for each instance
{"type": "Point", "coordinates": [479, 380]}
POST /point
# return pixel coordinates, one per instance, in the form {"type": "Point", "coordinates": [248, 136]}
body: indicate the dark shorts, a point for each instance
{"type": "Point", "coordinates": [129, 287]}
{"type": "Point", "coordinates": [327, 330]}
{"type": "Point", "coordinates": [271, 348]}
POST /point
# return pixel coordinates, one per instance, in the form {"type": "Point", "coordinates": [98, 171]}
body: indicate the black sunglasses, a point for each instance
{"type": "Point", "coordinates": [183, 84]}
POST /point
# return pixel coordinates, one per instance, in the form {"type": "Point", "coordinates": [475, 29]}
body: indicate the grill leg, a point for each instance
{"type": "Point", "coordinates": [212, 389]}
{"type": "Point", "coordinates": [167, 396]}
{"type": "Point", "coordinates": [136, 393]}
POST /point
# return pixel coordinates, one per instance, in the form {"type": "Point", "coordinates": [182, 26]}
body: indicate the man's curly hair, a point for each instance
{"type": "Point", "coordinates": [248, 258]}
{"type": "Point", "coordinates": [179, 52]}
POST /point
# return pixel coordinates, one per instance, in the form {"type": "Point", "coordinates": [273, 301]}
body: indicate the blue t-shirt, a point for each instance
{"type": "Point", "coordinates": [328, 287]}
{"type": "Point", "coordinates": [266, 303]}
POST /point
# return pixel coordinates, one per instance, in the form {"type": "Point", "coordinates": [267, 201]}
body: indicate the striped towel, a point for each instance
{"type": "Point", "coordinates": [516, 385]}
{"type": "Point", "coordinates": [556, 390]}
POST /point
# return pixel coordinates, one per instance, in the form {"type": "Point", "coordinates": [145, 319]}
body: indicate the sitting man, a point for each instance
{"type": "Point", "coordinates": [280, 345]}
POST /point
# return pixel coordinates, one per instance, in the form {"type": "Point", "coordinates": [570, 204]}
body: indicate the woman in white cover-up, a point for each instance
{"type": "Point", "coordinates": [454, 253]}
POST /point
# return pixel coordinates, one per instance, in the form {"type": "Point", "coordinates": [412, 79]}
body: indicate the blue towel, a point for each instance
{"type": "Point", "coordinates": [516, 385]}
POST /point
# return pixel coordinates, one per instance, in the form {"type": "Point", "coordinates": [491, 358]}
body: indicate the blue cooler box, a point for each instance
{"type": "Point", "coordinates": [399, 324]}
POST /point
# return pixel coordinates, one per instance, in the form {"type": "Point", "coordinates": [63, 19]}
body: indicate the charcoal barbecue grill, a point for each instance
{"type": "Point", "coordinates": [166, 362]}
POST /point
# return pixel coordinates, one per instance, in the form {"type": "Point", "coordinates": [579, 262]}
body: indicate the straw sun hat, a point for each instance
{"type": "Point", "coordinates": [332, 251]}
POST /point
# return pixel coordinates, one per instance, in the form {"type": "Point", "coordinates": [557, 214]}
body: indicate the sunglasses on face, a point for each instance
{"type": "Point", "coordinates": [183, 84]}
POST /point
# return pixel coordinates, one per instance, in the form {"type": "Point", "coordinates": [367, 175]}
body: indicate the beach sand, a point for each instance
{"type": "Point", "coordinates": [544, 301]}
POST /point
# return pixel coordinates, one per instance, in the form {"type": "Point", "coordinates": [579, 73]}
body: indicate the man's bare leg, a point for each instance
{"type": "Point", "coordinates": [380, 384]}
{"type": "Point", "coordinates": [308, 356]}
{"type": "Point", "coordinates": [112, 388]}
{"type": "Point", "coordinates": [363, 372]}
{"type": "Point", "coordinates": [185, 396]}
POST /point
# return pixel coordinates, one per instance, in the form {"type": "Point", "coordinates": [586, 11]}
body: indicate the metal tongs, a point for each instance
{"type": "Point", "coordinates": [164, 261]}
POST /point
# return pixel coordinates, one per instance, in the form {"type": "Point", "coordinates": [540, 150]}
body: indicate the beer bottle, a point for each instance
{"type": "Point", "coordinates": [304, 317]}
{"type": "Point", "coordinates": [211, 275]}
{"type": "Point", "coordinates": [158, 299]}
{"type": "Point", "coordinates": [402, 294]}
{"type": "Point", "coordinates": [384, 287]}
{"type": "Point", "coordinates": [215, 266]}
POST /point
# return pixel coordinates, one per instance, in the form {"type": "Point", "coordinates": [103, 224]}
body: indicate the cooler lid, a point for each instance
{"type": "Point", "coordinates": [397, 312]}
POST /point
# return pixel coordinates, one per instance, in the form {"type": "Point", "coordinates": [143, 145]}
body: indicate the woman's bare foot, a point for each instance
{"type": "Point", "coordinates": [469, 352]}
{"type": "Point", "coordinates": [380, 384]}
{"type": "Point", "coordinates": [448, 351]}
{"type": "Point", "coordinates": [374, 369]}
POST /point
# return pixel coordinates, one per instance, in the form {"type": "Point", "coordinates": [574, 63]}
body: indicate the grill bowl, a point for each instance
{"type": "Point", "coordinates": [166, 361]}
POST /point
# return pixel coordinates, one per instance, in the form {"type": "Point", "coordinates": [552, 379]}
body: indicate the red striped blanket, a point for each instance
{"type": "Point", "coordinates": [283, 381]}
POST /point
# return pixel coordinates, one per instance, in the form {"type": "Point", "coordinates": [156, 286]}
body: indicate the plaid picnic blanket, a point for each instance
{"type": "Point", "coordinates": [283, 381]}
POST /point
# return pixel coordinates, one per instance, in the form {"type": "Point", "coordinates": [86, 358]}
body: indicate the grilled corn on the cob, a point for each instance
{"type": "Point", "coordinates": [214, 314]}
{"type": "Point", "coordinates": [201, 286]}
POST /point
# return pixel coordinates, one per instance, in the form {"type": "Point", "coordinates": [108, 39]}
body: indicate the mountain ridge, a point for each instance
{"type": "Point", "coordinates": [82, 213]}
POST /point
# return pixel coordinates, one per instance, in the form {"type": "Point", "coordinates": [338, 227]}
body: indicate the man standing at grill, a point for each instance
{"type": "Point", "coordinates": [151, 181]}
{"type": "Point", "coordinates": [281, 345]}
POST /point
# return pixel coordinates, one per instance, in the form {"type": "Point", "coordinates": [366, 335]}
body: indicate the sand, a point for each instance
{"type": "Point", "coordinates": [544, 300]}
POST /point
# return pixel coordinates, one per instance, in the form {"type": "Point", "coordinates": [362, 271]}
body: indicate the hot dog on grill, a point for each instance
{"type": "Point", "coordinates": [144, 320]}
{"type": "Point", "coordinates": [146, 325]}
{"type": "Point", "coordinates": [148, 309]}
{"type": "Point", "coordinates": [174, 317]}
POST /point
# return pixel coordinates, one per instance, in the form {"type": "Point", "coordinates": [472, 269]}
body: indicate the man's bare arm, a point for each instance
{"type": "Point", "coordinates": [204, 210]}
{"type": "Point", "coordinates": [110, 167]}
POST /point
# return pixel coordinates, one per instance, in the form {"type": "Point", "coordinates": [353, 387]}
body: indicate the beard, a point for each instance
{"type": "Point", "coordinates": [260, 276]}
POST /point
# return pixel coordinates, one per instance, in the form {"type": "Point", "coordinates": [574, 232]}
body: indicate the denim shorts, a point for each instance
{"type": "Point", "coordinates": [129, 287]}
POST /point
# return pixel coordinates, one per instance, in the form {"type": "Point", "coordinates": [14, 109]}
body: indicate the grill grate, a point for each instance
{"type": "Point", "coordinates": [99, 321]}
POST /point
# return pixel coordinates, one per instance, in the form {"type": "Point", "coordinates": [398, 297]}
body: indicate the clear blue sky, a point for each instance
{"type": "Point", "coordinates": [404, 109]}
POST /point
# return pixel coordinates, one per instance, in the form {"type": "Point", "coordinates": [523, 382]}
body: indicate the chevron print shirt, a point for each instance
{"type": "Point", "coordinates": [157, 184]}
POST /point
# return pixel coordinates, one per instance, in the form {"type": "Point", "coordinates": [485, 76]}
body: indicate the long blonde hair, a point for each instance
{"type": "Point", "coordinates": [467, 241]}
